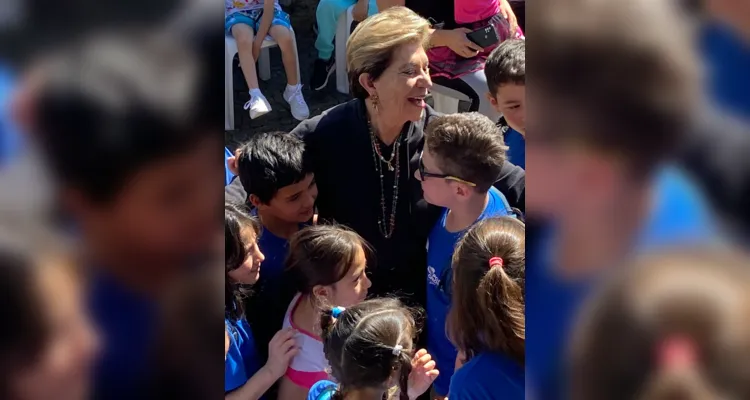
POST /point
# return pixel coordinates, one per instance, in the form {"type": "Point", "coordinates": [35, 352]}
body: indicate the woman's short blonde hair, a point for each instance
{"type": "Point", "coordinates": [371, 45]}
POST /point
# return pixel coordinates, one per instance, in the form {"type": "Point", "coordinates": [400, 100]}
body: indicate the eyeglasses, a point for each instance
{"type": "Point", "coordinates": [424, 174]}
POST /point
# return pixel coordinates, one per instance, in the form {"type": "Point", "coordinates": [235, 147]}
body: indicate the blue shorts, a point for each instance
{"type": "Point", "coordinates": [252, 19]}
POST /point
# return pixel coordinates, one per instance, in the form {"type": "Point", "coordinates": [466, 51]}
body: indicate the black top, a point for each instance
{"type": "Point", "coordinates": [435, 11]}
{"type": "Point", "coordinates": [349, 193]}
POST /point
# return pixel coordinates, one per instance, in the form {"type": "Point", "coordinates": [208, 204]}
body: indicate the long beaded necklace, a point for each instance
{"type": "Point", "coordinates": [386, 227]}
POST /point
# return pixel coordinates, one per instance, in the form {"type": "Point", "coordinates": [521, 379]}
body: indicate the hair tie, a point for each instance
{"type": "Point", "coordinates": [496, 262]}
{"type": "Point", "coordinates": [336, 311]}
{"type": "Point", "coordinates": [677, 352]}
{"type": "Point", "coordinates": [397, 350]}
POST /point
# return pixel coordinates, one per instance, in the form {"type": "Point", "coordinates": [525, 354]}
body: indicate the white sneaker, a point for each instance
{"type": "Point", "coordinates": [258, 106]}
{"type": "Point", "coordinates": [297, 104]}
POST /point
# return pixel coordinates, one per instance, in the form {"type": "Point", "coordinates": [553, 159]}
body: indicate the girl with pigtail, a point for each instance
{"type": "Point", "coordinates": [370, 349]}
{"type": "Point", "coordinates": [486, 322]}
{"type": "Point", "coordinates": [670, 326]}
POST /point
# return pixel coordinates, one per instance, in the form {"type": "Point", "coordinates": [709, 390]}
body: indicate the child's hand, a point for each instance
{"type": "Point", "coordinates": [460, 44]}
{"type": "Point", "coordinates": [257, 45]}
{"type": "Point", "coordinates": [232, 164]}
{"type": "Point", "coordinates": [226, 344]}
{"type": "Point", "coordinates": [359, 12]}
{"type": "Point", "coordinates": [423, 373]}
{"type": "Point", "coordinates": [507, 12]}
{"type": "Point", "coordinates": [281, 350]}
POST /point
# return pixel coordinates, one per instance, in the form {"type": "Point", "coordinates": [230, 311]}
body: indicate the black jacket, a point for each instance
{"type": "Point", "coordinates": [349, 193]}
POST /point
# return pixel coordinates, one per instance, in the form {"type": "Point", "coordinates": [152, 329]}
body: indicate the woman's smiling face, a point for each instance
{"type": "Point", "coordinates": [403, 86]}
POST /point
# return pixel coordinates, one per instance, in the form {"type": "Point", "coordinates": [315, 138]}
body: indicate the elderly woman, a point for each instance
{"type": "Point", "coordinates": [365, 151]}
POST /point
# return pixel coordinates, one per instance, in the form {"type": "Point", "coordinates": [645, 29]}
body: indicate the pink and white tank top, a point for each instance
{"type": "Point", "coordinates": [309, 365]}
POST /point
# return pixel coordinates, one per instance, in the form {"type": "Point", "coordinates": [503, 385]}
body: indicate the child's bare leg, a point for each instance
{"type": "Point", "coordinates": [283, 36]}
{"type": "Point", "coordinates": [244, 36]}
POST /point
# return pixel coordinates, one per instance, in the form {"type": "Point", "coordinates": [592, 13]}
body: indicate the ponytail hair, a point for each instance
{"type": "Point", "coordinates": [489, 274]}
{"type": "Point", "coordinates": [668, 326]}
{"type": "Point", "coordinates": [365, 344]}
{"type": "Point", "coordinates": [237, 220]}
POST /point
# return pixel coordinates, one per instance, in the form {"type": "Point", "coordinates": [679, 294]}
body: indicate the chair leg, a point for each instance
{"type": "Point", "coordinates": [296, 56]}
{"type": "Point", "coordinates": [445, 104]}
{"type": "Point", "coordinates": [228, 92]}
{"type": "Point", "coordinates": [264, 65]}
{"type": "Point", "coordinates": [342, 35]}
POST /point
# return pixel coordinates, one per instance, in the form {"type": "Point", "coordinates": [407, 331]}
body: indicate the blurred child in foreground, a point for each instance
{"type": "Point", "coordinates": [47, 343]}
{"type": "Point", "coordinates": [674, 326]}
{"type": "Point", "coordinates": [134, 155]}
{"type": "Point", "coordinates": [600, 137]}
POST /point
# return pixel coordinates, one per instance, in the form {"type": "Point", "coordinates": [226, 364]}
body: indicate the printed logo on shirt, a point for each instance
{"type": "Point", "coordinates": [432, 277]}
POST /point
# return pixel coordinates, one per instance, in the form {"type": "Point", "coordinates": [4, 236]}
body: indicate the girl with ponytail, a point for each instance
{"type": "Point", "coordinates": [671, 326]}
{"type": "Point", "coordinates": [370, 348]}
{"type": "Point", "coordinates": [486, 322]}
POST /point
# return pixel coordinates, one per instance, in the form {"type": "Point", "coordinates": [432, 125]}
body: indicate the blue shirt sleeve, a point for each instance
{"type": "Point", "coordinates": [488, 377]}
{"type": "Point", "coordinates": [228, 174]}
{"type": "Point", "coordinates": [323, 390]}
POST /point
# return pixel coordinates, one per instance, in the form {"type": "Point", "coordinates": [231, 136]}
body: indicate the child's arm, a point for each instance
{"type": "Point", "coordinates": [255, 387]}
{"type": "Point", "coordinates": [264, 26]}
{"type": "Point", "coordinates": [360, 11]}
{"type": "Point", "coordinates": [281, 350]}
{"type": "Point", "coordinates": [385, 4]}
{"type": "Point", "coordinates": [507, 12]}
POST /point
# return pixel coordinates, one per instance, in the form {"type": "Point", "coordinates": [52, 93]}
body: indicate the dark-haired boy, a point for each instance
{"type": "Point", "coordinates": [278, 181]}
{"type": "Point", "coordinates": [462, 158]}
{"type": "Point", "coordinates": [505, 70]}
{"type": "Point", "coordinates": [135, 160]}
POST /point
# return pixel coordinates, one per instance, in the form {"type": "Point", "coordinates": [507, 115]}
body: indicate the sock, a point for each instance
{"type": "Point", "coordinates": [290, 88]}
{"type": "Point", "coordinates": [255, 92]}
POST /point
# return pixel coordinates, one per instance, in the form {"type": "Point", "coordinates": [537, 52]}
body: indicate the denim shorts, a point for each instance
{"type": "Point", "coordinates": [252, 19]}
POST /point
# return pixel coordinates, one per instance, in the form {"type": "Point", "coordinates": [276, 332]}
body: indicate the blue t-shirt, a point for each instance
{"type": "Point", "coordinates": [727, 58]}
{"type": "Point", "coordinates": [9, 137]}
{"type": "Point", "coordinates": [242, 359]}
{"type": "Point", "coordinates": [440, 246]}
{"type": "Point", "coordinates": [322, 390]}
{"type": "Point", "coordinates": [274, 250]}
{"type": "Point", "coordinates": [517, 147]}
{"type": "Point", "coordinates": [127, 324]}
{"type": "Point", "coordinates": [228, 174]}
{"type": "Point", "coordinates": [679, 217]}
{"type": "Point", "coordinates": [489, 376]}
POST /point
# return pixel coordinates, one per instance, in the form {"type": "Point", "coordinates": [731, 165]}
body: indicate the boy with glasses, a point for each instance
{"type": "Point", "coordinates": [462, 158]}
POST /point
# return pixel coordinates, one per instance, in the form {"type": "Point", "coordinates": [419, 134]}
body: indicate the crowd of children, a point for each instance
{"type": "Point", "coordinates": [134, 314]}
{"type": "Point", "coordinates": [315, 274]}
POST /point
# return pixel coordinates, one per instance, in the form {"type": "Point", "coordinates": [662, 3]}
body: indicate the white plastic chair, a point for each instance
{"type": "Point", "coordinates": [343, 30]}
{"type": "Point", "coordinates": [446, 99]}
{"type": "Point", "coordinates": [264, 72]}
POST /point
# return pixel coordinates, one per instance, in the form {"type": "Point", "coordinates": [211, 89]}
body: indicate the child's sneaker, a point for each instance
{"type": "Point", "coordinates": [258, 105]}
{"type": "Point", "coordinates": [293, 96]}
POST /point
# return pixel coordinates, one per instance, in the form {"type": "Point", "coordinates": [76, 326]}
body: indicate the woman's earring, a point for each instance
{"type": "Point", "coordinates": [375, 101]}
